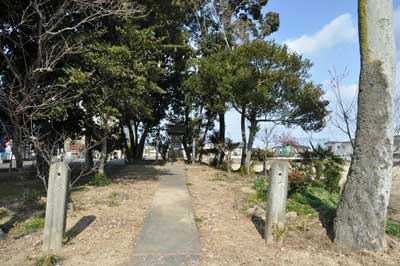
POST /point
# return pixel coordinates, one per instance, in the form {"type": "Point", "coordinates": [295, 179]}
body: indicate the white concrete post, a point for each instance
{"type": "Point", "coordinates": [56, 207]}
{"type": "Point", "coordinates": [277, 194]}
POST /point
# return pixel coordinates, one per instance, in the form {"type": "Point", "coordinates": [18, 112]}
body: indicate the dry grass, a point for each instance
{"type": "Point", "coordinates": [229, 237]}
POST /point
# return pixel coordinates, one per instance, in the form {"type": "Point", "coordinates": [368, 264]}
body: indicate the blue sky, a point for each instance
{"type": "Point", "coordinates": [326, 33]}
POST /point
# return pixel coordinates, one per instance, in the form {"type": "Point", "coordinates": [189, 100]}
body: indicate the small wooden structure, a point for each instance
{"type": "Point", "coordinates": [175, 132]}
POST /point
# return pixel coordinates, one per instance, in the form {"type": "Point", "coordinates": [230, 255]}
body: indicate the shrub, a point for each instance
{"type": "Point", "coordinates": [49, 260]}
{"type": "Point", "coordinates": [296, 181]}
{"type": "Point", "coordinates": [99, 180]}
{"type": "Point", "coordinates": [333, 174]}
{"type": "Point", "coordinates": [327, 165]}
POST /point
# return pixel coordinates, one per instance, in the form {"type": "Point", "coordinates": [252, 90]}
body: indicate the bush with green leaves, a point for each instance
{"type": "Point", "coordinates": [261, 187]}
{"type": "Point", "coordinates": [327, 168]}
{"type": "Point", "coordinates": [99, 180]}
{"type": "Point", "coordinates": [261, 154]}
{"type": "Point", "coordinates": [393, 228]}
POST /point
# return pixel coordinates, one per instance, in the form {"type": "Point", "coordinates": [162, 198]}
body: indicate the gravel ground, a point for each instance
{"type": "Point", "coordinates": [229, 237]}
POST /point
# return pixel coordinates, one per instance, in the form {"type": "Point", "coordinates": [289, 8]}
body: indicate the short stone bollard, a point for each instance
{"type": "Point", "coordinates": [277, 194]}
{"type": "Point", "coordinates": [56, 207]}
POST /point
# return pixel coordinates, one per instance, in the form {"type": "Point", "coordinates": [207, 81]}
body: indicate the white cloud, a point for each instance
{"type": "Point", "coordinates": [341, 29]}
{"type": "Point", "coordinates": [347, 93]}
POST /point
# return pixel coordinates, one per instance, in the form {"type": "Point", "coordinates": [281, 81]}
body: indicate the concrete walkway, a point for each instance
{"type": "Point", "coordinates": [169, 234]}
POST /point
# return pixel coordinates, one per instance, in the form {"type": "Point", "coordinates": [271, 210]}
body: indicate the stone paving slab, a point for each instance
{"type": "Point", "coordinates": [169, 235]}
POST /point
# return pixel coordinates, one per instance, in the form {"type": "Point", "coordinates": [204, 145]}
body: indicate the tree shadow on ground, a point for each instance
{"type": "Point", "coordinates": [21, 214]}
{"type": "Point", "coordinates": [138, 171]}
{"type": "Point", "coordinates": [119, 170]}
{"type": "Point", "coordinates": [326, 213]}
{"type": "Point", "coordinates": [259, 224]}
{"type": "Point", "coordinates": [81, 225]}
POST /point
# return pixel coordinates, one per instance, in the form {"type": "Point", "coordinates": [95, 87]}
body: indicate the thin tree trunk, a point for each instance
{"type": "Point", "coordinates": [203, 140]}
{"type": "Point", "coordinates": [18, 150]}
{"type": "Point", "coordinates": [130, 152]}
{"type": "Point", "coordinates": [252, 135]}
{"type": "Point", "coordinates": [124, 141]}
{"type": "Point", "coordinates": [361, 214]}
{"type": "Point", "coordinates": [186, 140]}
{"type": "Point", "coordinates": [244, 138]}
{"type": "Point", "coordinates": [103, 156]}
{"type": "Point", "coordinates": [140, 146]}
{"type": "Point", "coordinates": [221, 137]}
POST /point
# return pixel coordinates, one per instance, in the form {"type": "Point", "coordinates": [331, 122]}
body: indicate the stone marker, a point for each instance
{"type": "Point", "coordinates": [56, 207]}
{"type": "Point", "coordinates": [277, 194]}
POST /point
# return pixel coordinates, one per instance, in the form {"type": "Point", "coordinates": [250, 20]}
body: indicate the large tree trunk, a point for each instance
{"type": "Point", "coordinates": [221, 137]}
{"type": "Point", "coordinates": [252, 135]}
{"type": "Point", "coordinates": [131, 141]}
{"type": "Point", "coordinates": [124, 142]}
{"type": "Point", "coordinates": [103, 156]}
{"type": "Point", "coordinates": [140, 146]}
{"type": "Point", "coordinates": [361, 214]}
{"type": "Point", "coordinates": [244, 139]}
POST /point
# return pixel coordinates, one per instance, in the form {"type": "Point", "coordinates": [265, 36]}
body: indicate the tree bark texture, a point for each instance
{"type": "Point", "coordinates": [361, 214]}
{"type": "Point", "coordinates": [103, 156]}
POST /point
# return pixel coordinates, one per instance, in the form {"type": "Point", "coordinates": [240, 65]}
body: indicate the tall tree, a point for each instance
{"type": "Point", "coordinates": [361, 214]}
{"type": "Point", "coordinates": [271, 84]}
{"type": "Point", "coordinates": [35, 37]}
{"type": "Point", "coordinates": [219, 25]}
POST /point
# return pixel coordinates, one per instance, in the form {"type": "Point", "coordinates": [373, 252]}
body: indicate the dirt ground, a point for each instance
{"type": "Point", "coordinates": [106, 221]}
{"type": "Point", "coordinates": [103, 227]}
{"type": "Point", "coordinates": [229, 237]}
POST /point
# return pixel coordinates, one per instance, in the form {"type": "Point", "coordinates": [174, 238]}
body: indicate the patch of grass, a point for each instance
{"type": "Point", "coordinates": [49, 260]}
{"type": "Point", "coordinates": [300, 209]}
{"type": "Point", "coordinates": [189, 184]}
{"type": "Point", "coordinates": [260, 185]}
{"type": "Point", "coordinates": [99, 180]}
{"type": "Point", "coordinates": [219, 177]}
{"type": "Point", "coordinates": [29, 226]}
{"type": "Point", "coordinates": [113, 199]}
{"type": "Point", "coordinates": [313, 201]}
{"type": "Point", "coordinates": [393, 228]}
{"type": "Point", "coordinates": [15, 189]}
{"type": "Point", "coordinates": [10, 191]}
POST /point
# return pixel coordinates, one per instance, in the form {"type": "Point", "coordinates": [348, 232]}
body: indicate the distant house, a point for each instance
{"type": "Point", "coordinates": [396, 149]}
{"type": "Point", "coordinates": [343, 149]}
{"type": "Point", "coordinates": [290, 150]}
